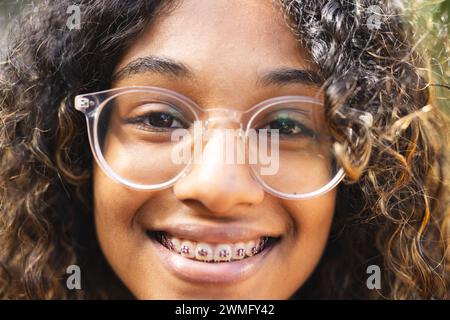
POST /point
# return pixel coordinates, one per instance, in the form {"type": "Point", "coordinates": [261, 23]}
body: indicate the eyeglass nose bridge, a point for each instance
{"type": "Point", "coordinates": [222, 118]}
{"type": "Point", "coordinates": [217, 115]}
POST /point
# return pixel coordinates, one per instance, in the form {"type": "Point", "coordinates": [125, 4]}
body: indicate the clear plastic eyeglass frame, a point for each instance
{"type": "Point", "coordinates": [91, 105]}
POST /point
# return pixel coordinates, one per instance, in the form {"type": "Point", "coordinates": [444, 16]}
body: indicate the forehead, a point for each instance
{"type": "Point", "coordinates": [227, 45]}
{"type": "Point", "coordinates": [223, 35]}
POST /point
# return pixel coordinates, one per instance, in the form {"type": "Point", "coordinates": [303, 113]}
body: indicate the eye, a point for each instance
{"type": "Point", "coordinates": [159, 120]}
{"type": "Point", "coordinates": [289, 127]}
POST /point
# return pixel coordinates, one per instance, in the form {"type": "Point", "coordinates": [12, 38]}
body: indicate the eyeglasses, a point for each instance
{"type": "Point", "coordinates": [146, 138]}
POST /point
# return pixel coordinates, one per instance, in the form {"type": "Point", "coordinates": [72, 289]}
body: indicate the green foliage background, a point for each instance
{"type": "Point", "coordinates": [430, 24]}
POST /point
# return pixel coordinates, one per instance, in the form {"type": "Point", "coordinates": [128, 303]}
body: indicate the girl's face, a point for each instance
{"type": "Point", "coordinates": [228, 46]}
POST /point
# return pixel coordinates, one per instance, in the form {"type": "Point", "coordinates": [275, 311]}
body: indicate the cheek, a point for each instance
{"type": "Point", "coordinates": [313, 217]}
{"type": "Point", "coordinates": [311, 221]}
{"type": "Point", "coordinates": [114, 209]}
{"type": "Point", "coordinates": [114, 205]}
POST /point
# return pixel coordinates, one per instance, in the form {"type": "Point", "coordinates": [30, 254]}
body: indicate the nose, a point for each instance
{"type": "Point", "coordinates": [218, 185]}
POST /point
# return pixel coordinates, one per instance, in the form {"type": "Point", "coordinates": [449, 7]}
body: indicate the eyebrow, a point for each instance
{"type": "Point", "coordinates": [169, 67]}
{"type": "Point", "coordinates": [285, 76]}
{"type": "Point", "coordinates": [152, 64]}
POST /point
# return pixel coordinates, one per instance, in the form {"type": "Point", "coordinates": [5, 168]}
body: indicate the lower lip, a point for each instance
{"type": "Point", "coordinates": [203, 272]}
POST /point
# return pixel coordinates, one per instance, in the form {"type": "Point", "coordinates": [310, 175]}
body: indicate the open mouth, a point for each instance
{"type": "Point", "coordinates": [213, 252]}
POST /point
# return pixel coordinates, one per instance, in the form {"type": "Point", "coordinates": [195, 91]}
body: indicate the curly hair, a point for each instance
{"type": "Point", "coordinates": [392, 209]}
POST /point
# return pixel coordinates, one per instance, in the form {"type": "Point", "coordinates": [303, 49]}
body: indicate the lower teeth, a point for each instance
{"type": "Point", "coordinates": [204, 253]}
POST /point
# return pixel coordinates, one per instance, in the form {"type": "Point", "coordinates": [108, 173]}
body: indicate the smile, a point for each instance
{"type": "Point", "coordinates": [212, 252]}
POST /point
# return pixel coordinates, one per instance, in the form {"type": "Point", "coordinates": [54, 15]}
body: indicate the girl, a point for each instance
{"type": "Point", "coordinates": [87, 178]}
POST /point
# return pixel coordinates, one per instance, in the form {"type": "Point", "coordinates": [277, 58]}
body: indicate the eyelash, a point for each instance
{"type": "Point", "coordinates": [141, 124]}
{"type": "Point", "coordinates": [304, 130]}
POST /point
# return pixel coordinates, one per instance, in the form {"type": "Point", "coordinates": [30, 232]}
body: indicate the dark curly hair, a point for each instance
{"type": "Point", "coordinates": [392, 208]}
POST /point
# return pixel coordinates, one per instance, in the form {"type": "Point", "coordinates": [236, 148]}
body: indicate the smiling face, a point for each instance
{"type": "Point", "coordinates": [228, 54]}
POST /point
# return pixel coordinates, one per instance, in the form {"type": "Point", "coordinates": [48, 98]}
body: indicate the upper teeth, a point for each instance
{"type": "Point", "coordinates": [214, 252]}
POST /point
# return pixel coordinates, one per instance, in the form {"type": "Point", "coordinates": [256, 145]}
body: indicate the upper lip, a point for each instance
{"type": "Point", "coordinates": [215, 234]}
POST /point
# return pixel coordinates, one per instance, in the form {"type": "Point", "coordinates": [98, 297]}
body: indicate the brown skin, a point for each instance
{"type": "Point", "coordinates": [226, 52]}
